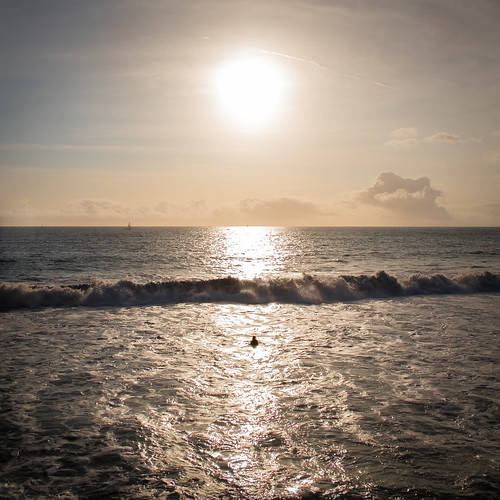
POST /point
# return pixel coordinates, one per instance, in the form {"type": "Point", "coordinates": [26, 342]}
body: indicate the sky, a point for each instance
{"type": "Point", "coordinates": [371, 113]}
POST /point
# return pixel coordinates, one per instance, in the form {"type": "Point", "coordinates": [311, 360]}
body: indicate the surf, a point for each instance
{"type": "Point", "coordinates": [303, 289]}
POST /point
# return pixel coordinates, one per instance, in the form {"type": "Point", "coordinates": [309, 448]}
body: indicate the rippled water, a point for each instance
{"type": "Point", "coordinates": [393, 397]}
{"type": "Point", "coordinates": [69, 255]}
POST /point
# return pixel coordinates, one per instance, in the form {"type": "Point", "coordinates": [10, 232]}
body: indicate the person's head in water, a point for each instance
{"type": "Point", "coordinates": [254, 342]}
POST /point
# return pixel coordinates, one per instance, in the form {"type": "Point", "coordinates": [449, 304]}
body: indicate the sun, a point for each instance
{"type": "Point", "coordinates": [251, 90]}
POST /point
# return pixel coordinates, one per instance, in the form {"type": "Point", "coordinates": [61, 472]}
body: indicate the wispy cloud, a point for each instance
{"type": "Point", "coordinates": [279, 208]}
{"type": "Point", "coordinates": [404, 138]}
{"type": "Point", "coordinates": [274, 211]}
{"type": "Point", "coordinates": [441, 137]}
{"type": "Point", "coordinates": [293, 58]}
{"type": "Point", "coordinates": [97, 208]}
{"type": "Point", "coordinates": [319, 66]}
{"type": "Point", "coordinates": [189, 209]}
{"type": "Point", "coordinates": [409, 138]}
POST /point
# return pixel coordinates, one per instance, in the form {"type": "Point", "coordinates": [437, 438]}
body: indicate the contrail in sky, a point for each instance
{"type": "Point", "coordinates": [294, 58]}
{"type": "Point", "coordinates": [319, 66]}
{"type": "Point", "coordinates": [314, 63]}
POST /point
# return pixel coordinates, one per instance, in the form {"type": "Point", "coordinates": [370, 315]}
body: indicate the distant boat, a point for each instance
{"type": "Point", "coordinates": [129, 227]}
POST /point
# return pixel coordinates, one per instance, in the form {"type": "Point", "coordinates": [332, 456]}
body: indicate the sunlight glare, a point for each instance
{"type": "Point", "coordinates": [252, 251]}
{"type": "Point", "coordinates": [251, 394]}
{"type": "Point", "coordinates": [250, 89]}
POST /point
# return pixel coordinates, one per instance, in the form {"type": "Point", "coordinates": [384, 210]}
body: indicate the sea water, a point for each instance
{"type": "Point", "coordinates": [126, 369]}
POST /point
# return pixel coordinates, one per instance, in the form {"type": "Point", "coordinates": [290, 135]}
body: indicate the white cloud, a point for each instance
{"type": "Point", "coordinates": [415, 198]}
{"type": "Point", "coordinates": [404, 132]}
{"type": "Point", "coordinates": [404, 138]}
{"type": "Point", "coordinates": [443, 137]}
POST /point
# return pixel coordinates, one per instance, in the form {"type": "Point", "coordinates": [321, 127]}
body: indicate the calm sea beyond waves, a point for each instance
{"type": "Point", "coordinates": [127, 369]}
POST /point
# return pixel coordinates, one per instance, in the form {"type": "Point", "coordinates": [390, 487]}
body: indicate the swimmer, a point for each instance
{"type": "Point", "coordinates": [254, 342]}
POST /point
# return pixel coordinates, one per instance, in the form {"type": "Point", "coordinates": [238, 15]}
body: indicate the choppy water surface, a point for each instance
{"type": "Point", "coordinates": [380, 393]}
{"type": "Point", "coordinates": [82, 255]}
{"type": "Point", "coordinates": [386, 399]}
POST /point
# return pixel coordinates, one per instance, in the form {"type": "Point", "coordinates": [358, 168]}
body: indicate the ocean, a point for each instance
{"type": "Point", "coordinates": [127, 372]}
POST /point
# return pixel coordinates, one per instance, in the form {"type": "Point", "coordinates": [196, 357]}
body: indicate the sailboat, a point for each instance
{"type": "Point", "coordinates": [129, 227]}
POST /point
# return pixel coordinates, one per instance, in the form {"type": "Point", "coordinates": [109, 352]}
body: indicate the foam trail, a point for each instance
{"type": "Point", "coordinates": [302, 290]}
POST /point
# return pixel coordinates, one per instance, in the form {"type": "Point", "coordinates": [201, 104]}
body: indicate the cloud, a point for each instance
{"type": "Point", "coordinates": [409, 138]}
{"type": "Point", "coordinates": [275, 211]}
{"type": "Point", "coordinates": [441, 137]}
{"type": "Point", "coordinates": [404, 132]}
{"type": "Point", "coordinates": [280, 208]}
{"type": "Point", "coordinates": [403, 196]}
{"type": "Point", "coordinates": [106, 208]}
{"type": "Point", "coordinates": [97, 208]}
{"type": "Point", "coordinates": [80, 208]}
{"type": "Point", "coordinates": [195, 209]}
{"type": "Point", "coordinates": [404, 138]}
{"type": "Point", "coordinates": [319, 66]}
{"type": "Point", "coordinates": [293, 58]}
{"type": "Point", "coordinates": [84, 211]}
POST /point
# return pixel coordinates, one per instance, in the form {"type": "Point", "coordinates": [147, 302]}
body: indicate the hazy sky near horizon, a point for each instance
{"type": "Point", "coordinates": [387, 112]}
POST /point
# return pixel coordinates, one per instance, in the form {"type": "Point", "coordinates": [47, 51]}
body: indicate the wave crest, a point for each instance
{"type": "Point", "coordinates": [305, 289]}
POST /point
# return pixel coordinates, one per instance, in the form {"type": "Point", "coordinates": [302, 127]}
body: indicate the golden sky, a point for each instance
{"type": "Point", "coordinates": [338, 112]}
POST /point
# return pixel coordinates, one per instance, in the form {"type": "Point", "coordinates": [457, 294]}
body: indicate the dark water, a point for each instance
{"type": "Point", "coordinates": [127, 372]}
{"type": "Point", "coordinates": [69, 255]}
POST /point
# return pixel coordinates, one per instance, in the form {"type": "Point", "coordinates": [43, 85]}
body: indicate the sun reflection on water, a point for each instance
{"type": "Point", "coordinates": [237, 418]}
{"type": "Point", "coordinates": [251, 444]}
{"type": "Point", "coordinates": [249, 252]}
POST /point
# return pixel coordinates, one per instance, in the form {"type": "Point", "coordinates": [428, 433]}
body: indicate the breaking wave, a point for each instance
{"type": "Point", "coordinates": [303, 290]}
